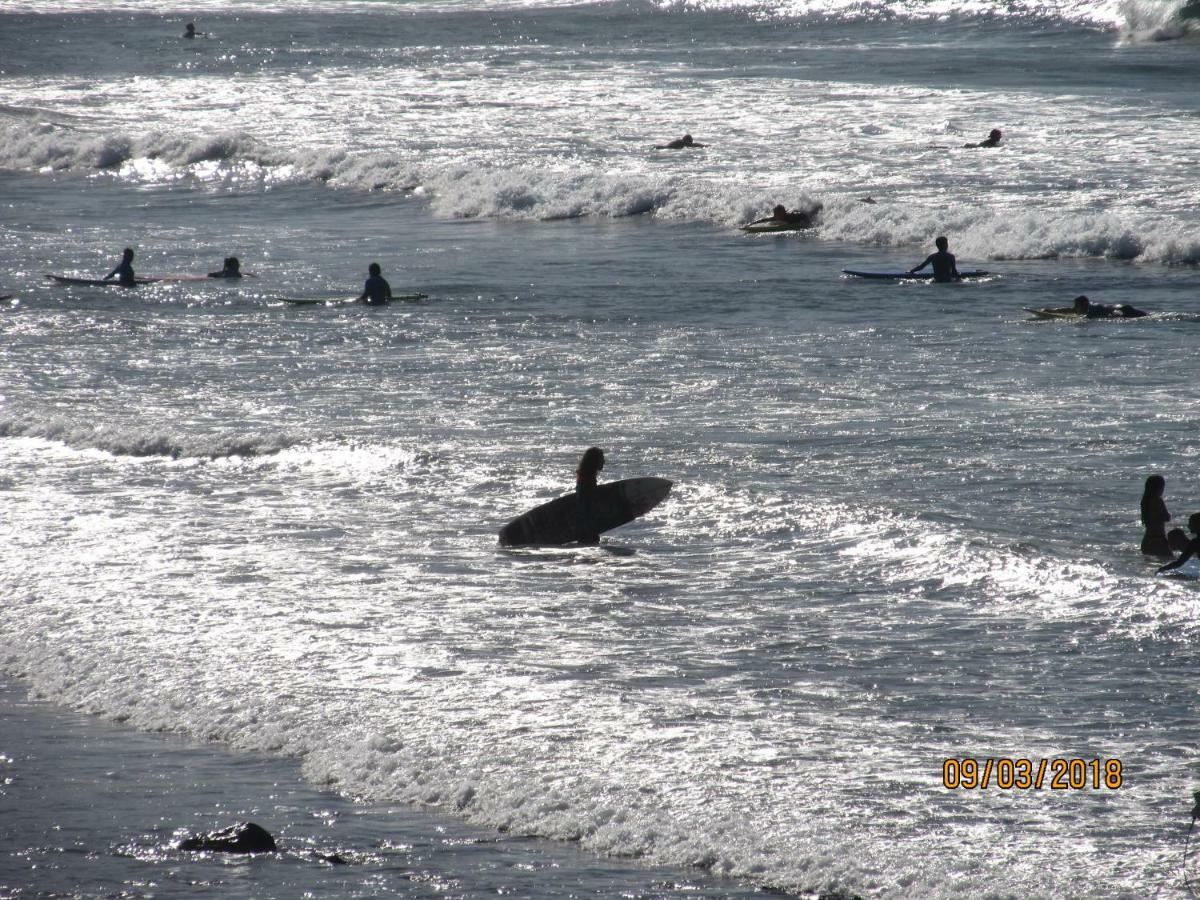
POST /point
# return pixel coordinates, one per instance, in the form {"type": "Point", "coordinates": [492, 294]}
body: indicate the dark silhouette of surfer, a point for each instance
{"type": "Point", "coordinates": [798, 217]}
{"type": "Point", "coordinates": [191, 32]}
{"type": "Point", "coordinates": [1084, 307]}
{"type": "Point", "coordinates": [992, 140]}
{"type": "Point", "coordinates": [1155, 518]}
{"type": "Point", "coordinates": [1192, 547]}
{"type": "Point", "coordinates": [124, 270]}
{"type": "Point", "coordinates": [585, 484]}
{"type": "Point", "coordinates": [376, 290]}
{"type": "Point", "coordinates": [231, 268]}
{"type": "Point", "coordinates": [678, 144]}
{"type": "Point", "coordinates": [945, 267]}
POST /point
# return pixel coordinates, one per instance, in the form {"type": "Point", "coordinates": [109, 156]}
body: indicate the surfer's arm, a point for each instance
{"type": "Point", "coordinates": [1187, 554]}
{"type": "Point", "coordinates": [112, 273]}
{"type": "Point", "coordinates": [928, 260]}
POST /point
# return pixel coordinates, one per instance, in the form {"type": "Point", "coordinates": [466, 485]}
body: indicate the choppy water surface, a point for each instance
{"type": "Point", "coordinates": [904, 526]}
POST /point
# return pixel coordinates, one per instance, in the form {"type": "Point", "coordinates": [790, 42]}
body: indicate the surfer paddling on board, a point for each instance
{"type": "Point", "coordinates": [1192, 548]}
{"type": "Point", "coordinates": [585, 484]}
{"type": "Point", "coordinates": [992, 140]}
{"type": "Point", "coordinates": [802, 218]}
{"type": "Point", "coordinates": [945, 267]}
{"type": "Point", "coordinates": [1085, 307]}
{"type": "Point", "coordinates": [124, 270]}
{"type": "Point", "coordinates": [231, 268]}
{"type": "Point", "coordinates": [1155, 518]}
{"type": "Point", "coordinates": [678, 144]}
{"type": "Point", "coordinates": [376, 291]}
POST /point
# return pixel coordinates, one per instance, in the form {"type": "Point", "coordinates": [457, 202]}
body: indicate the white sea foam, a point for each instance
{"type": "Point", "coordinates": [126, 441]}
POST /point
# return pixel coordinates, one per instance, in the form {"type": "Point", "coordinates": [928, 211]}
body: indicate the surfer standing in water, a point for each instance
{"type": "Point", "coordinates": [585, 484]}
{"type": "Point", "coordinates": [124, 270]}
{"type": "Point", "coordinates": [589, 468]}
{"type": "Point", "coordinates": [1155, 518]}
{"type": "Point", "coordinates": [945, 267]}
{"type": "Point", "coordinates": [376, 291]}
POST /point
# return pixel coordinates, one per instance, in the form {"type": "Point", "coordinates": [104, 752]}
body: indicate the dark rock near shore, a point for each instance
{"type": "Point", "coordinates": [244, 837]}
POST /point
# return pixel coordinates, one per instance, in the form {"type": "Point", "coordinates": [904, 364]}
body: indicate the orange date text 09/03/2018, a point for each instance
{"type": "Point", "coordinates": [1007, 773]}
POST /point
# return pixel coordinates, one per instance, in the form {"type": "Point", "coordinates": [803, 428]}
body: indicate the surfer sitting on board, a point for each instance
{"type": "Point", "coordinates": [376, 291]}
{"type": "Point", "coordinates": [124, 270]}
{"type": "Point", "coordinates": [678, 143]}
{"type": "Point", "coordinates": [191, 32]}
{"type": "Point", "coordinates": [803, 218]}
{"type": "Point", "coordinates": [231, 269]}
{"type": "Point", "coordinates": [944, 265]}
{"type": "Point", "coordinates": [992, 140]}
{"type": "Point", "coordinates": [1085, 307]}
{"type": "Point", "coordinates": [1192, 548]}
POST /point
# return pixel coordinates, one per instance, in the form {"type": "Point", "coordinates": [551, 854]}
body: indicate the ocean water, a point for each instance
{"type": "Point", "coordinates": [904, 526]}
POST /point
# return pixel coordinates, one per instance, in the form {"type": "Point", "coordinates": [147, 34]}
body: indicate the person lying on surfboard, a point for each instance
{"type": "Point", "coordinates": [1192, 548]}
{"type": "Point", "coordinates": [231, 269]}
{"type": "Point", "coordinates": [1085, 307]}
{"type": "Point", "coordinates": [124, 270]}
{"type": "Point", "coordinates": [376, 291]}
{"type": "Point", "coordinates": [992, 140]}
{"type": "Point", "coordinates": [678, 143]}
{"type": "Point", "coordinates": [945, 267]}
{"type": "Point", "coordinates": [805, 219]}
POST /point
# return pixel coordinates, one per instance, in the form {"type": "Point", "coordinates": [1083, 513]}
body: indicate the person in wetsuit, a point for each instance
{"type": "Point", "coordinates": [945, 267]}
{"type": "Point", "coordinates": [585, 484]}
{"type": "Point", "coordinates": [992, 140]}
{"type": "Point", "coordinates": [232, 268]}
{"type": "Point", "coordinates": [800, 218]}
{"type": "Point", "coordinates": [376, 291]}
{"type": "Point", "coordinates": [124, 270]}
{"type": "Point", "coordinates": [679, 143]}
{"type": "Point", "coordinates": [1192, 548]}
{"type": "Point", "coordinates": [1155, 518]}
{"type": "Point", "coordinates": [1085, 307]}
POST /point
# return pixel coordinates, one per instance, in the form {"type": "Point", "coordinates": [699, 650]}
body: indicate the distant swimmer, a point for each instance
{"type": "Point", "coordinates": [800, 218]}
{"type": "Point", "coordinates": [1192, 547]}
{"type": "Point", "coordinates": [1155, 518]}
{"type": "Point", "coordinates": [1085, 307]}
{"type": "Point", "coordinates": [191, 32]}
{"type": "Point", "coordinates": [376, 291]}
{"type": "Point", "coordinates": [231, 269]}
{"type": "Point", "coordinates": [124, 270]}
{"type": "Point", "coordinates": [945, 267]}
{"type": "Point", "coordinates": [679, 144]}
{"type": "Point", "coordinates": [992, 140]}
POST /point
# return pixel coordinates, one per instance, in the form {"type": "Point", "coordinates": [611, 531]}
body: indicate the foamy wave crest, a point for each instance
{"type": "Point", "coordinates": [1077, 11]}
{"type": "Point", "coordinates": [45, 145]}
{"type": "Point", "coordinates": [1142, 21]}
{"type": "Point", "coordinates": [138, 442]}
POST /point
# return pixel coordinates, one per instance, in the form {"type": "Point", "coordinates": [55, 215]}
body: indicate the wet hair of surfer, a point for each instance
{"type": "Point", "coordinates": [1081, 305]}
{"type": "Point", "coordinates": [589, 468]}
{"type": "Point", "coordinates": [1155, 518]}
